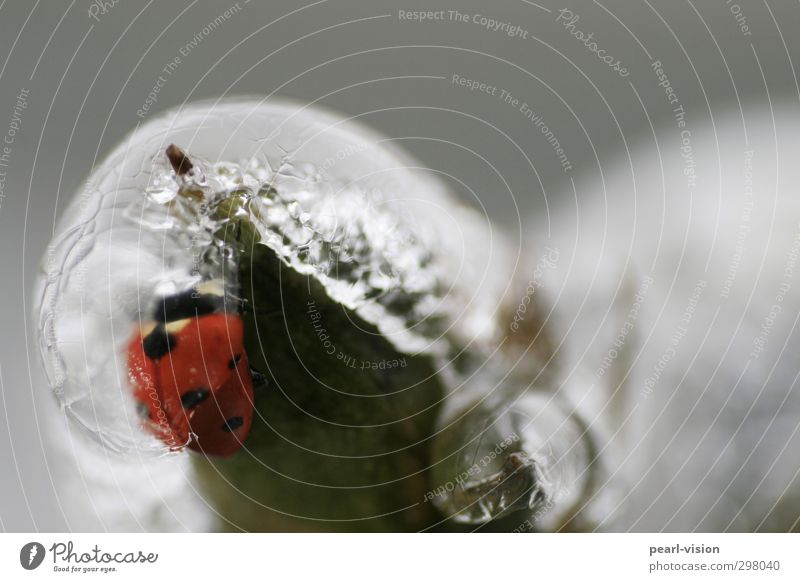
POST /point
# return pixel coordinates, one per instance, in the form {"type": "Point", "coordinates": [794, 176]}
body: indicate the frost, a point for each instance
{"type": "Point", "coordinates": [382, 236]}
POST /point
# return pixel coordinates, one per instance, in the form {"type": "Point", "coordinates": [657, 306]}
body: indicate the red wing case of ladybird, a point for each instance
{"type": "Point", "coordinates": [192, 383]}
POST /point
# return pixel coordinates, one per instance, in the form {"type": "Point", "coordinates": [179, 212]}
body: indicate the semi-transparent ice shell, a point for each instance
{"type": "Point", "coordinates": [382, 235]}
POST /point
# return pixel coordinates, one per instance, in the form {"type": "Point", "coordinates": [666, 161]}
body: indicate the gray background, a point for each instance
{"type": "Point", "coordinates": [87, 79]}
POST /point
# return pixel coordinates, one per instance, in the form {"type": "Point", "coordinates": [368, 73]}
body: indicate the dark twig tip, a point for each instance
{"type": "Point", "coordinates": [180, 162]}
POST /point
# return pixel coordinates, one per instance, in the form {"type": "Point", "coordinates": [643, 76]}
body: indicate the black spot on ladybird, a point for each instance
{"type": "Point", "coordinates": [192, 398]}
{"type": "Point", "coordinates": [187, 304]}
{"type": "Point", "coordinates": [233, 423]}
{"type": "Point", "coordinates": [234, 361]}
{"type": "Point", "coordinates": [158, 343]}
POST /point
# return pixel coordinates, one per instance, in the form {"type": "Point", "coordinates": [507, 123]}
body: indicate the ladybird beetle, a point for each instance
{"type": "Point", "coordinates": [190, 374]}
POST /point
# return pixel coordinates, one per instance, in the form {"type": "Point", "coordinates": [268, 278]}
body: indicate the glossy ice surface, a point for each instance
{"type": "Point", "coordinates": [331, 198]}
{"type": "Point", "coordinates": [334, 203]}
